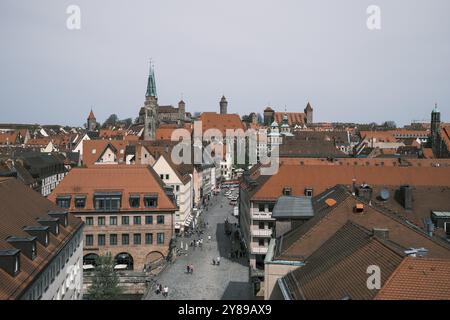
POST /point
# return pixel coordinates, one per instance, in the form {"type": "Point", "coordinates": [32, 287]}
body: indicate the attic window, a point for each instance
{"type": "Point", "coordinates": [309, 192]}
{"type": "Point", "coordinates": [80, 202]}
{"type": "Point", "coordinates": [151, 201]}
{"type": "Point", "coordinates": [94, 151]}
{"type": "Point", "coordinates": [287, 191]}
{"type": "Point", "coordinates": [63, 201]}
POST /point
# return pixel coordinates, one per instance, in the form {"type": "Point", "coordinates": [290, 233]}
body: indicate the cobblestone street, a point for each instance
{"type": "Point", "coordinates": [229, 280]}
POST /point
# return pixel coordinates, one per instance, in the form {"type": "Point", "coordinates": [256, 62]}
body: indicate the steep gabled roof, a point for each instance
{"type": "Point", "coordinates": [300, 243]}
{"type": "Point", "coordinates": [338, 269]}
{"type": "Point", "coordinates": [21, 206]}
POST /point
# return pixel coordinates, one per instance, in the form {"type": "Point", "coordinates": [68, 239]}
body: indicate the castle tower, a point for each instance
{"type": "Point", "coordinates": [91, 122]}
{"type": "Point", "coordinates": [309, 113]}
{"type": "Point", "coordinates": [181, 112]}
{"type": "Point", "coordinates": [150, 107]}
{"type": "Point", "coordinates": [223, 105]}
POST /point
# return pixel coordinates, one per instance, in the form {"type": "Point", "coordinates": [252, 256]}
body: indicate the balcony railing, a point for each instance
{"type": "Point", "coordinates": [260, 215]}
{"type": "Point", "coordinates": [259, 250]}
{"type": "Point", "coordinates": [262, 232]}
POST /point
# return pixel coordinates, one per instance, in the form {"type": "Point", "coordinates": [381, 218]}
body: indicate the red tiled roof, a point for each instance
{"type": "Point", "coordinates": [128, 180]}
{"type": "Point", "coordinates": [418, 279]}
{"type": "Point", "coordinates": [222, 122]}
{"type": "Point", "coordinates": [445, 135]}
{"type": "Point", "coordinates": [90, 158]}
{"type": "Point", "coordinates": [21, 206]}
{"type": "Point", "coordinates": [293, 117]}
{"type": "Point", "coordinates": [321, 177]}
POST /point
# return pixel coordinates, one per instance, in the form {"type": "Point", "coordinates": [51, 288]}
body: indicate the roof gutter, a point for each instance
{"type": "Point", "coordinates": [284, 290]}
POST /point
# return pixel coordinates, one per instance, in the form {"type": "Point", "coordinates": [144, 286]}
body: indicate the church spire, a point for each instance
{"type": "Point", "coordinates": [151, 84]}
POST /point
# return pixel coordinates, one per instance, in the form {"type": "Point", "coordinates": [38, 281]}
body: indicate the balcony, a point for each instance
{"type": "Point", "coordinates": [262, 232]}
{"type": "Point", "coordinates": [259, 250]}
{"type": "Point", "coordinates": [261, 215]}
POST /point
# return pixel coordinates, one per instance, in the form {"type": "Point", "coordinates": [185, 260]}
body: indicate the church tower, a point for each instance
{"type": "Point", "coordinates": [150, 107]}
{"type": "Point", "coordinates": [91, 122]}
{"type": "Point", "coordinates": [309, 113]}
{"type": "Point", "coordinates": [435, 128]}
{"type": "Point", "coordinates": [223, 105]}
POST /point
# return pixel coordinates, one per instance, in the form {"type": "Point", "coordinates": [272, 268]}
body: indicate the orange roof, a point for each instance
{"type": "Point", "coordinates": [418, 279]}
{"type": "Point", "coordinates": [90, 157]}
{"type": "Point", "coordinates": [222, 122]}
{"type": "Point", "coordinates": [165, 132]}
{"type": "Point", "coordinates": [129, 180]}
{"type": "Point", "coordinates": [293, 117]}
{"type": "Point", "coordinates": [39, 142]}
{"type": "Point", "coordinates": [321, 177]}
{"type": "Point", "coordinates": [380, 136]}
{"type": "Point", "coordinates": [428, 153]}
{"type": "Point", "coordinates": [382, 162]}
{"type": "Point", "coordinates": [9, 137]}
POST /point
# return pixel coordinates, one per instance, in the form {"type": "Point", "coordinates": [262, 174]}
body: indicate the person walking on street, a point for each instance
{"type": "Point", "coordinates": [191, 267]}
{"type": "Point", "coordinates": [209, 238]}
{"type": "Point", "coordinates": [218, 261]}
{"type": "Point", "coordinates": [188, 269]}
{"type": "Point", "coordinates": [166, 291]}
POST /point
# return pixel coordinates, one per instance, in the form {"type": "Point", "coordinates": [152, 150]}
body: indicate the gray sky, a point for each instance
{"type": "Point", "coordinates": [254, 51]}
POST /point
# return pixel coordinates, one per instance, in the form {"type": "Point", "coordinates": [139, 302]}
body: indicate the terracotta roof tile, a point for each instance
{"type": "Point", "coordinates": [418, 279]}
{"type": "Point", "coordinates": [126, 179]}
{"type": "Point", "coordinates": [21, 206]}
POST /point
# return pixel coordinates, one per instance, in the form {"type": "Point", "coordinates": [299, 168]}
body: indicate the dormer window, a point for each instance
{"type": "Point", "coordinates": [63, 201]}
{"type": "Point", "coordinates": [287, 191]}
{"type": "Point", "coordinates": [26, 245]}
{"type": "Point", "coordinates": [40, 232]}
{"type": "Point", "coordinates": [10, 261]}
{"type": "Point", "coordinates": [62, 217]}
{"type": "Point", "coordinates": [151, 201]}
{"type": "Point", "coordinates": [309, 192]}
{"type": "Point", "coordinates": [52, 223]}
{"type": "Point", "coordinates": [135, 201]}
{"type": "Point", "coordinates": [80, 202]}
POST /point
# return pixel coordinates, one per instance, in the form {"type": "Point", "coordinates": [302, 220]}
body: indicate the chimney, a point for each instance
{"type": "Point", "coordinates": [364, 192]}
{"type": "Point", "coordinates": [406, 197]}
{"type": "Point", "coordinates": [381, 233]}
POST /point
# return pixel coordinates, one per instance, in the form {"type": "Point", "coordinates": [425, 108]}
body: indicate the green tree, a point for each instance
{"type": "Point", "coordinates": [111, 121]}
{"type": "Point", "coordinates": [105, 282]}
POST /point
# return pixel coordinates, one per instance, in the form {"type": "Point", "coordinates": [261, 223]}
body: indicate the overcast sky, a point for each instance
{"type": "Point", "coordinates": [256, 52]}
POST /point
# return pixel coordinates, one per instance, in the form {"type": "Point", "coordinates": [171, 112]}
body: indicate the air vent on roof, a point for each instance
{"type": "Point", "coordinates": [27, 245]}
{"type": "Point", "coordinates": [40, 232]}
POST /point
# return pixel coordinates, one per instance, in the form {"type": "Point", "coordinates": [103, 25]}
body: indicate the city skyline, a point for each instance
{"type": "Point", "coordinates": [290, 54]}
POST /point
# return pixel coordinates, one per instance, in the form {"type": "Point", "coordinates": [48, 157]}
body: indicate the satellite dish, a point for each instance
{"type": "Point", "coordinates": [384, 194]}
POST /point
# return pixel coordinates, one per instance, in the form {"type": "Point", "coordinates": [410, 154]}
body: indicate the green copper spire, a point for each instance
{"type": "Point", "coordinates": [151, 85]}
